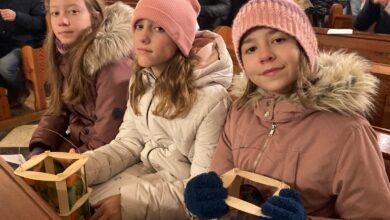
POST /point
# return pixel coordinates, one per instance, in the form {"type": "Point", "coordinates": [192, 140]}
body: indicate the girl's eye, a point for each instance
{"type": "Point", "coordinates": [138, 26]}
{"type": "Point", "coordinates": [54, 13]}
{"type": "Point", "coordinates": [159, 29]}
{"type": "Point", "coordinates": [279, 40]}
{"type": "Point", "coordinates": [250, 50]}
{"type": "Point", "coordinates": [73, 12]}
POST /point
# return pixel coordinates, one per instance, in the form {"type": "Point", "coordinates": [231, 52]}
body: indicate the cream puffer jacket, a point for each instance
{"type": "Point", "coordinates": [175, 150]}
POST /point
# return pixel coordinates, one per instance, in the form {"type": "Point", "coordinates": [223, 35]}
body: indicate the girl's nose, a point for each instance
{"type": "Point", "coordinates": [63, 20]}
{"type": "Point", "coordinates": [266, 54]}
{"type": "Point", "coordinates": [145, 36]}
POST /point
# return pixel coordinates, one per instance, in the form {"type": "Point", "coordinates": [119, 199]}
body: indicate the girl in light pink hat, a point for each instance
{"type": "Point", "coordinates": [300, 120]}
{"type": "Point", "coordinates": [176, 110]}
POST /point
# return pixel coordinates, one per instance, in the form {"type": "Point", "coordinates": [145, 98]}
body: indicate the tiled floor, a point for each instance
{"type": "Point", "coordinates": [27, 107]}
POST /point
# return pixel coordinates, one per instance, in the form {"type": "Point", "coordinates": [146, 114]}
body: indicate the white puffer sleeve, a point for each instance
{"type": "Point", "coordinates": [116, 156]}
{"type": "Point", "coordinates": [207, 136]}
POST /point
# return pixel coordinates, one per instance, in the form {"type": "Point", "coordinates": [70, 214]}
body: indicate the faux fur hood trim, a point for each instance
{"type": "Point", "coordinates": [113, 41]}
{"type": "Point", "coordinates": [344, 85]}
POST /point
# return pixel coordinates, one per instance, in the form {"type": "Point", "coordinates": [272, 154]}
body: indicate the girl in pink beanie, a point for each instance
{"type": "Point", "coordinates": [176, 110]}
{"type": "Point", "coordinates": [299, 119]}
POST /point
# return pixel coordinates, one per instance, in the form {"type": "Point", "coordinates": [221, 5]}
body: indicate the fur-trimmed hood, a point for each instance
{"type": "Point", "coordinates": [114, 39]}
{"type": "Point", "coordinates": [344, 85]}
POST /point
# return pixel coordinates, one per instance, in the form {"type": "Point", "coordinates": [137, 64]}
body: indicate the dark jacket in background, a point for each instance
{"type": "Point", "coordinates": [320, 9]}
{"type": "Point", "coordinates": [213, 13]}
{"type": "Point", "coordinates": [371, 13]}
{"type": "Point", "coordinates": [234, 8]}
{"type": "Point", "coordinates": [28, 28]}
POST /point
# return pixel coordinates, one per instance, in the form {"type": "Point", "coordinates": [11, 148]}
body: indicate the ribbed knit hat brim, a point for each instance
{"type": "Point", "coordinates": [283, 15]}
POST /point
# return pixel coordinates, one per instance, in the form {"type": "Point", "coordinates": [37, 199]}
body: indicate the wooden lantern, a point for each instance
{"type": "Point", "coordinates": [232, 180]}
{"type": "Point", "coordinates": [54, 184]}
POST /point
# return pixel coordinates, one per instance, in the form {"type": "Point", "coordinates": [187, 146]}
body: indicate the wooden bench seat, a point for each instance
{"type": "Point", "coordinates": [381, 115]}
{"type": "Point", "coordinates": [384, 145]}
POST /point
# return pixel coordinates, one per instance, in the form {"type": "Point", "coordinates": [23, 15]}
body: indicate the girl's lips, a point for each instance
{"type": "Point", "coordinates": [143, 51]}
{"type": "Point", "coordinates": [65, 32]}
{"type": "Point", "coordinates": [272, 71]}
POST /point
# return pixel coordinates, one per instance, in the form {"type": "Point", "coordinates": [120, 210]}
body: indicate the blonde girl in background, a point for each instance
{"type": "Point", "coordinates": [300, 120]}
{"type": "Point", "coordinates": [177, 107]}
{"type": "Point", "coordinates": [89, 48]}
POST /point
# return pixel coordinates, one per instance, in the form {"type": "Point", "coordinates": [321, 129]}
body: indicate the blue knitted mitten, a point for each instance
{"type": "Point", "coordinates": [286, 206]}
{"type": "Point", "coordinates": [205, 196]}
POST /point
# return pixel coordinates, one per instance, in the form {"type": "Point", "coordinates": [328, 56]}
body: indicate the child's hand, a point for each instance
{"type": "Point", "coordinates": [8, 14]}
{"type": "Point", "coordinates": [36, 151]}
{"type": "Point", "coordinates": [287, 205]}
{"type": "Point", "coordinates": [205, 196]}
{"type": "Point", "coordinates": [108, 208]}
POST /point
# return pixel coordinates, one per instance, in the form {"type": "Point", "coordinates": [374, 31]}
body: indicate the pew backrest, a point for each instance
{"type": "Point", "coordinates": [337, 19]}
{"type": "Point", "coordinates": [384, 144]}
{"type": "Point", "coordinates": [373, 46]}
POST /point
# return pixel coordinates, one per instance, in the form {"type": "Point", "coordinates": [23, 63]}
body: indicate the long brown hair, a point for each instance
{"type": "Point", "coordinates": [173, 89]}
{"type": "Point", "coordinates": [78, 80]}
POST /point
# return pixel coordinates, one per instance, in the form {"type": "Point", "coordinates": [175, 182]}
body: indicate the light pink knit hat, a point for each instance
{"type": "Point", "coordinates": [283, 15]}
{"type": "Point", "coordinates": [177, 17]}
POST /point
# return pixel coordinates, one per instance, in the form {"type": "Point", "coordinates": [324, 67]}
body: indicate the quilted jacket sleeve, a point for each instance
{"type": "Point", "coordinates": [207, 137]}
{"type": "Point", "coordinates": [116, 156]}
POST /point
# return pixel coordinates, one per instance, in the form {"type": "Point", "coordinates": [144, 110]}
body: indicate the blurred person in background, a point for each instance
{"type": "Point", "coordinates": [213, 13]}
{"type": "Point", "coordinates": [374, 11]}
{"type": "Point", "coordinates": [21, 23]}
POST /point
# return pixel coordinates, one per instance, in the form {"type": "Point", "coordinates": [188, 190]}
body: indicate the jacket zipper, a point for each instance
{"type": "Point", "coordinates": [265, 146]}
{"type": "Point", "coordinates": [151, 100]}
{"type": "Point", "coordinates": [147, 124]}
{"type": "Point", "coordinates": [147, 112]}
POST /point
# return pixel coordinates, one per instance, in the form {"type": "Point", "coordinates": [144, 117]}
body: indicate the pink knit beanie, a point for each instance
{"type": "Point", "coordinates": [283, 15]}
{"type": "Point", "coordinates": [177, 17]}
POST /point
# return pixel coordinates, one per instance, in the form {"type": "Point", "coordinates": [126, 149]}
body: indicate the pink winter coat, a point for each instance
{"type": "Point", "coordinates": [329, 153]}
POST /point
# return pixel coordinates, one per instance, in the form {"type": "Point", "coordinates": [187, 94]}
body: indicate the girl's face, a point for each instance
{"type": "Point", "coordinates": [152, 45]}
{"type": "Point", "coordinates": [270, 59]}
{"type": "Point", "coordinates": [69, 18]}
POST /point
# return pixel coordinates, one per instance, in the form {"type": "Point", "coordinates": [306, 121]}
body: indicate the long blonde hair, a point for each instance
{"type": "Point", "coordinates": [173, 89]}
{"type": "Point", "coordinates": [78, 80]}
